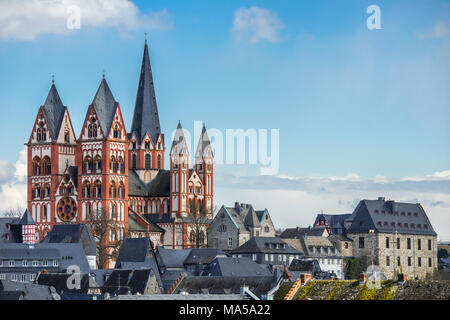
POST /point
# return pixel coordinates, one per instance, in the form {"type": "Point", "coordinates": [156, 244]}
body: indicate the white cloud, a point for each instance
{"type": "Point", "coordinates": [27, 19]}
{"type": "Point", "coordinates": [295, 201]}
{"type": "Point", "coordinates": [439, 31]}
{"type": "Point", "coordinates": [256, 24]}
{"type": "Point", "coordinates": [13, 190]}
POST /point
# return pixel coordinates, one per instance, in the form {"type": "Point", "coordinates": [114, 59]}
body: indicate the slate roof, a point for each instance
{"type": "Point", "coordinates": [318, 241]}
{"type": "Point", "coordinates": [204, 149]}
{"type": "Point", "coordinates": [27, 219]}
{"type": "Point", "coordinates": [179, 146]}
{"type": "Point", "coordinates": [105, 107]}
{"type": "Point", "coordinates": [298, 233]}
{"type": "Point", "coordinates": [334, 221]}
{"type": "Point", "coordinates": [27, 291]}
{"type": "Point", "coordinates": [235, 267]}
{"type": "Point", "coordinates": [53, 111]}
{"type": "Point", "coordinates": [145, 117]}
{"type": "Point", "coordinates": [59, 282]}
{"type": "Point", "coordinates": [72, 233]}
{"type": "Point", "coordinates": [172, 258]}
{"type": "Point", "coordinates": [155, 218]}
{"type": "Point", "coordinates": [134, 225]}
{"type": "Point", "coordinates": [261, 245]}
{"type": "Point", "coordinates": [311, 266]}
{"type": "Point", "coordinates": [159, 186]}
{"type": "Point", "coordinates": [225, 285]}
{"type": "Point", "coordinates": [203, 255]}
{"type": "Point", "coordinates": [127, 281]}
{"type": "Point", "coordinates": [389, 217]}
{"type": "Point", "coordinates": [67, 253]}
{"type": "Point", "coordinates": [245, 216]}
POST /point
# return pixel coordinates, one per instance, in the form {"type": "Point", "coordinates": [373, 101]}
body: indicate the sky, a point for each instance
{"type": "Point", "coordinates": [361, 113]}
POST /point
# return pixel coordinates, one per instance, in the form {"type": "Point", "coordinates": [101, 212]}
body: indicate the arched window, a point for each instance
{"type": "Point", "coordinates": [98, 163]}
{"type": "Point", "coordinates": [36, 166]}
{"type": "Point", "coordinates": [121, 190]}
{"type": "Point", "coordinates": [201, 237]}
{"type": "Point", "coordinates": [46, 166]}
{"type": "Point", "coordinates": [36, 191]}
{"type": "Point", "coordinates": [86, 189]}
{"type": "Point", "coordinates": [112, 189]}
{"type": "Point", "coordinates": [113, 211]}
{"type": "Point", "coordinates": [44, 134]}
{"type": "Point", "coordinates": [113, 164]}
{"type": "Point", "coordinates": [39, 134]}
{"type": "Point", "coordinates": [192, 236]}
{"type": "Point", "coordinates": [148, 161]}
{"type": "Point", "coordinates": [98, 189]}
{"type": "Point", "coordinates": [121, 166]}
{"type": "Point", "coordinates": [87, 164]}
{"type": "Point", "coordinates": [117, 131]}
{"type": "Point", "coordinates": [47, 190]}
{"type": "Point", "coordinates": [147, 144]}
{"type": "Point", "coordinates": [159, 161]}
{"type": "Point", "coordinates": [133, 161]}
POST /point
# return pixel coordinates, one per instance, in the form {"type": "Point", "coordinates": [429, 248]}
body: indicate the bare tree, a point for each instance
{"type": "Point", "coordinates": [16, 212]}
{"type": "Point", "coordinates": [106, 234]}
{"type": "Point", "coordinates": [198, 218]}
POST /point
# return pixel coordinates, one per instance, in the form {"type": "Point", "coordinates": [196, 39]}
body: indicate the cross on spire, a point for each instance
{"type": "Point", "coordinates": [146, 37]}
{"type": "Point", "coordinates": [53, 79]}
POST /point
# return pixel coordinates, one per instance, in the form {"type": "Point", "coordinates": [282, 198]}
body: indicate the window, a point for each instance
{"type": "Point", "coordinates": [230, 242]}
{"type": "Point", "coordinates": [2, 276]}
{"type": "Point", "coordinates": [430, 264]}
{"type": "Point", "coordinates": [133, 161]}
{"type": "Point", "coordinates": [148, 161]}
{"type": "Point", "coordinates": [35, 263]}
{"type": "Point", "coordinates": [159, 161]}
{"type": "Point", "coordinates": [419, 244]}
{"type": "Point", "coordinates": [398, 243]}
{"type": "Point", "coordinates": [266, 229]}
{"type": "Point", "coordinates": [409, 261]}
{"type": "Point", "coordinates": [429, 244]}
{"type": "Point", "coordinates": [147, 144]}
{"type": "Point", "coordinates": [408, 243]}
{"type": "Point", "coordinates": [14, 277]}
{"type": "Point", "coordinates": [45, 263]}
{"type": "Point", "coordinates": [12, 263]}
{"type": "Point", "coordinates": [398, 261]}
{"type": "Point", "coordinates": [32, 277]}
{"type": "Point", "coordinates": [419, 261]}
{"type": "Point", "coordinates": [23, 278]}
{"type": "Point", "coordinates": [254, 257]}
{"type": "Point", "coordinates": [387, 242]}
{"type": "Point", "coordinates": [271, 257]}
{"type": "Point", "coordinates": [25, 263]}
{"type": "Point", "coordinates": [1, 263]}
{"type": "Point", "coordinates": [388, 261]}
{"type": "Point", "coordinates": [361, 242]}
{"type": "Point", "coordinates": [55, 263]}
{"type": "Point", "coordinates": [222, 228]}
{"type": "Point", "coordinates": [266, 257]}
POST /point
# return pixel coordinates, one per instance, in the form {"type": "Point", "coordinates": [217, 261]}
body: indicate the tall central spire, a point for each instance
{"type": "Point", "coordinates": [145, 118]}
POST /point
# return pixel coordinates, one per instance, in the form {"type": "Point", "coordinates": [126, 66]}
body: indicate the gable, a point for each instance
{"type": "Point", "coordinates": [66, 128]}
{"type": "Point", "coordinates": [42, 124]}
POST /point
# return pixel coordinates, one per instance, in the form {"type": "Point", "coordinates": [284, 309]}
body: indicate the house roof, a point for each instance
{"type": "Point", "coordinates": [390, 217]}
{"type": "Point", "coordinates": [225, 285]}
{"type": "Point", "coordinates": [27, 219]}
{"type": "Point", "coordinates": [235, 267]}
{"type": "Point", "coordinates": [155, 218]}
{"type": "Point", "coordinates": [245, 216]}
{"type": "Point", "coordinates": [172, 258]}
{"type": "Point", "coordinates": [145, 117]}
{"type": "Point", "coordinates": [297, 233]}
{"type": "Point", "coordinates": [105, 106]}
{"type": "Point", "coordinates": [304, 265]}
{"type": "Point", "coordinates": [138, 223]}
{"type": "Point", "coordinates": [72, 233]}
{"type": "Point", "coordinates": [159, 186]}
{"type": "Point", "coordinates": [266, 245]}
{"type": "Point", "coordinates": [317, 241]}
{"type": "Point", "coordinates": [53, 111]}
{"type": "Point", "coordinates": [204, 149]}
{"type": "Point", "coordinates": [334, 220]}
{"type": "Point", "coordinates": [203, 255]}
{"type": "Point", "coordinates": [127, 281]}
{"type": "Point", "coordinates": [28, 291]}
{"type": "Point", "coordinates": [59, 281]}
{"type": "Point", "coordinates": [179, 146]}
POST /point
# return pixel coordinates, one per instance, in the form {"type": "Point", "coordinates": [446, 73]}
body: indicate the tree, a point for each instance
{"type": "Point", "coordinates": [106, 233]}
{"type": "Point", "coordinates": [198, 220]}
{"type": "Point", "coordinates": [442, 253]}
{"type": "Point", "coordinates": [16, 212]}
{"type": "Point", "coordinates": [353, 267]}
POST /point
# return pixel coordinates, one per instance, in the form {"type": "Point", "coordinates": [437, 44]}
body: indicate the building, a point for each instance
{"type": "Point", "coordinates": [334, 223]}
{"type": "Point", "coordinates": [13, 290]}
{"type": "Point", "coordinates": [75, 233]}
{"type": "Point", "coordinates": [235, 267]}
{"type": "Point", "coordinates": [18, 230]}
{"type": "Point", "coordinates": [22, 262]}
{"type": "Point", "coordinates": [267, 250]}
{"type": "Point", "coordinates": [396, 236]}
{"type": "Point", "coordinates": [233, 226]}
{"type": "Point", "coordinates": [110, 170]}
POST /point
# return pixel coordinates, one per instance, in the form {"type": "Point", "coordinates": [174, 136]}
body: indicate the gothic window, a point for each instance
{"type": "Point", "coordinates": [133, 161]}
{"type": "Point", "coordinates": [113, 164]}
{"type": "Point", "coordinates": [47, 190]}
{"type": "Point", "coordinates": [39, 134]}
{"type": "Point", "coordinates": [113, 211]}
{"type": "Point", "coordinates": [36, 191]}
{"type": "Point", "coordinates": [159, 161]}
{"type": "Point", "coordinates": [121, 164]}
{"type": "Point", "coordinates": [46, 165]}
{"type": "Point", "coordinates": [117, 131]}
{"type": "Point", "coordinates": [87, 189]}
{"type": "Point", "coordinates": [45, 212]}
{"type": "Point", "coordinates": [87, 167]}
{"type": "Point", "coordinates": [222, 228]}
{"type": "Point", "coordinates": [98, 189]}
{"type": "Point", "coordinates": [44, 134]}
{"type": "Point", "coordinates": [192, 236]}
{"type": "Point", "coordinates": [36, 166]}
{"type": "Point", "coordinates": [121, 190]}
{"type": "Point", "coordinates": [198, 189]}
{"type": "Point", "coordinates": [147, 144]}
{"type": "Point", "coordinates": [201, 237]}
{"type": "Point", "coordinates": [148, 161]}
{"type": "Point", "coordinates": [112, 189]}
{"type": "Point", "coordinates": [66, 136]}
{"type": "Point", "coordinates": [98, 163]}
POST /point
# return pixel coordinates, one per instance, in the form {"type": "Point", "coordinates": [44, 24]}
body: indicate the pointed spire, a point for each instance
{"type": "Point", "coordinates": [204, 149]}
{"type": "Point", "coordinates": [145, 118]}
{"type": "Point", "coordinates": [27, 219]}
{"type": "Point", "coordinates": [53, 111]}
{"type": "Point", "coordinates": [179, 145]}
{"type": "Point", "coordinates": [105, 106]}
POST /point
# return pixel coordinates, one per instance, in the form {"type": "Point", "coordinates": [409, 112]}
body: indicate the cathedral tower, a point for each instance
{"type": "Point", "coordinates": [146, 148]}
{"type": "Point", "coordinates": [179, 174]}
{"type": "Point", "coordinates": [205, 169]}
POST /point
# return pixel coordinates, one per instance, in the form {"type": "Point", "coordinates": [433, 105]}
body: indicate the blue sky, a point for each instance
{"type": "Point", "coordinates": [347, 100]}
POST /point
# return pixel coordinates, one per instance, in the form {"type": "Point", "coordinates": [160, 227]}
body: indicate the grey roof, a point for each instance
{"type": "Point", "coordinates": [27, 291]}
{"type": "Point", "coordinates": [27, 219]}
{"type": "Point", "coordinates": [73, 172]}
{"type": "Point", "coordinates": [261, 245]}
{"type": "Point", "coordinates": [172, 258]}
{"type": "Point", "coordinates": [155, 218]}
{"type": "Point", "coordinates": [311, 266]}
{"type": "Point", "coordinates": [53, 111]}
{"type": "Point", "coordinates": [127, 281]}
{"type": "Point", "coordinates": [297, 233]}
{"type": "Point", "coordinates": [334, 221]}
{"type": "Point", "coordinates": [59, 281]}
{"type": "Point", "coordinates": [68, 253]}
{"type": "Point", "coordinates": [72, 233]}
{"type": "Point", "coordinates": [251, 220]}
{"type": "Point", "coordinates": [145, 118]}
{"type": "Point", "coordinates": [225, 285]}
{"type": "Point", "coordinates": [105, 107]}
{"type": "Point", "coordinates": [159, 186]}
{"type": "Point", "coordinates": [389, 217]}
{"type": "Point", "coordinates": [235, 267]}
{"type": "Point", "coordinates": [204, 149]}
{"type": "Point", "coordinates": [134, 225]}
{"type": "Point", "coordinates": [203, 255]}
{"type": "Point", "coordinates": [179, 146]}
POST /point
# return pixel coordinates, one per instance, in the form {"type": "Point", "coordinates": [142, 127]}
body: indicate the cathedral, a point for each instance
{"type": "Point", "coordinates": [117, 172]}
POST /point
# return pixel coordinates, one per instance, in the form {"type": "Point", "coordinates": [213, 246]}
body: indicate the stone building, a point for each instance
{"type": "Point", "coordinates": [233, 226]}
{"type": "Point", "coordinates": [398, 237]}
